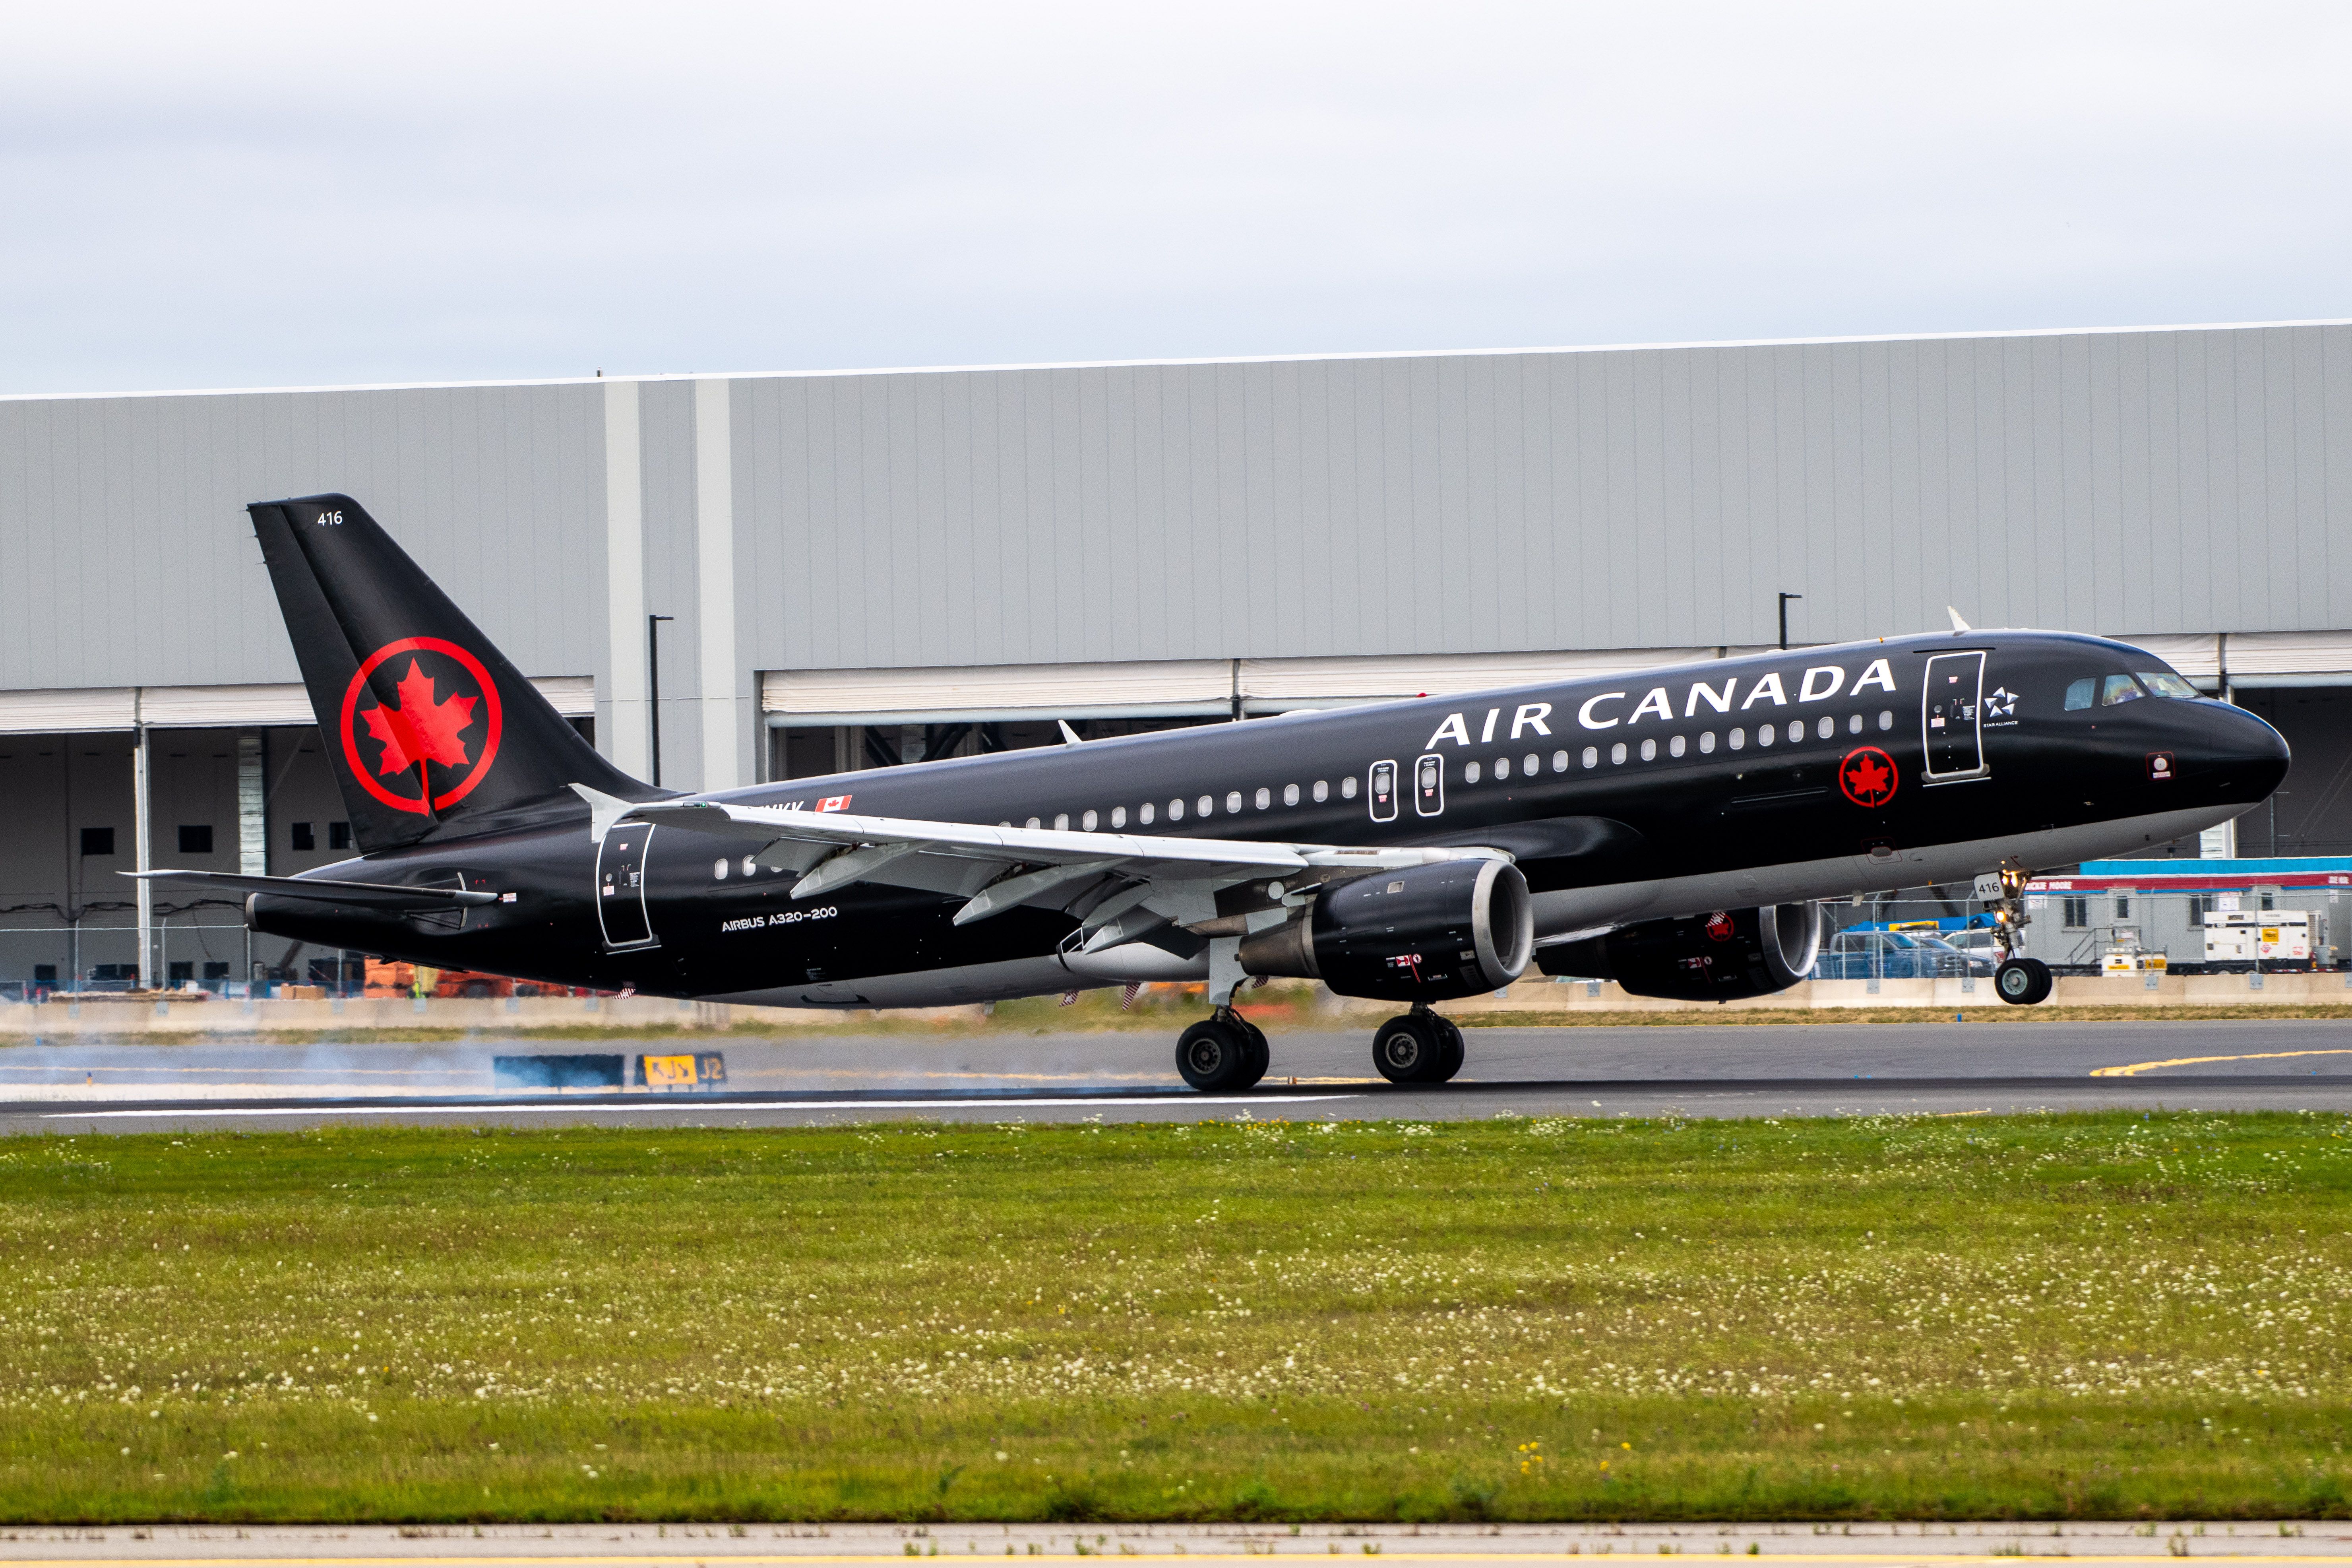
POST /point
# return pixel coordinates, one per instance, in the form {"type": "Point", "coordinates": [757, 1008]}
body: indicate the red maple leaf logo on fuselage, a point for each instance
{"type": "Point", "coordinates": [1869, 777]}
{"type": "Point", "coordinates": [423, 729]}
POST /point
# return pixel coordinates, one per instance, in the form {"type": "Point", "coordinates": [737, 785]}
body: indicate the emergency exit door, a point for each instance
{"type": "Point", "coordinates": [621, 886]}
{"type": "Point", "coordinates": [1952, 716]}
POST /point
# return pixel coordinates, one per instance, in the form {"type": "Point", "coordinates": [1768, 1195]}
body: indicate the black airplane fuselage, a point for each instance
{"type": "Point", "coordinates": [1810, 773]}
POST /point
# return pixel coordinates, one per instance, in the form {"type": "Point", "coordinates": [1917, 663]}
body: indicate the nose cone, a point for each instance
{"type": "Point", "coordinates": [2245, 758]}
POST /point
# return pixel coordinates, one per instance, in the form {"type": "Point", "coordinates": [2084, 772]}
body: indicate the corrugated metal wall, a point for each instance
{"type": "Point", "coordinates": [2159, 481]}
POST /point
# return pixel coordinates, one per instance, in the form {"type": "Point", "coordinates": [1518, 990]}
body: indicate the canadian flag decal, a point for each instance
{"type": "Point", "coordinates": [834, 803]}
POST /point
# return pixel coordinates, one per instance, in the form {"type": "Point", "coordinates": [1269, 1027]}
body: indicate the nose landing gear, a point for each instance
{"type": "Point", "coordinates": [2020, 981]}
{"type": "Point", "coordinates": [1418, 1046]}
{"type": "Point", "coordinates": [2023, 981]}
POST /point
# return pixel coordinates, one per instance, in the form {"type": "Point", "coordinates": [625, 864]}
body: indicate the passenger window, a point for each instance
{"type": "Point", "coordinates": [1706, 744]}
{"type": "Point", "coordinates": [1617, 753]}
{"type": "Point", "coordinates": [1175, 811]}
{"type": "Point", "coordinates": [1470, 773]}
{"type": "Point", "coordinates": [1528, 764]}
{"type": "Point", "coordinates": [1796, 730]}
{"type": "Point", "coordinates": [1233, 801]}
{"type": "Point", "coordinates": [2164, 683]}
{"type": "Point", "coordinates": [1087, 821]}
{"type": "Point", "coordinates": [1502, 767]}
{"type": "Point", "coordinates": [1144, 813]}
{"type": "Point", "coordinates": [1675, 747]}
{"type": "Point", "coordinates": [1738, 740]}
{"type": "Point", "coordinates": [1207, 804]}
{"type": "Point", "coordinates": [2119, 689]}
{"type": "Point", "coordinates": [1559, 762]}
{"type": "Point", "coordinates": [1347, 788]}
{"type": "Point", "coordinates": [1766, 734]}
{"type": "Point", "coordinates": [1265, 798]}
{"type": "Point", "coordinates": [2078, 693]}
{"type": "Point", "coordinates": [1033, 821]}
{"type": "Point", "coordinates": [1591, 756]}
{"type": "Point", "coordinates": [1290, 795]}
{"type": "Point", "coordinates": [1853, 725]}
{"type": "Point", "coordinates": [1061, 822]}
{"type": "Point", "coordinates": [1828, 727]}
{"type": "Point", "coordinates": [1886, 719]}
{"type": "Point", "coordinates": [1649, 751]}
{"type": "Point", "coordinates": [1118, 816]}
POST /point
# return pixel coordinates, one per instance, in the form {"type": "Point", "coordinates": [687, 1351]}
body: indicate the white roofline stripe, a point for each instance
{"type": "Point", "coordinates": [1176, 363]}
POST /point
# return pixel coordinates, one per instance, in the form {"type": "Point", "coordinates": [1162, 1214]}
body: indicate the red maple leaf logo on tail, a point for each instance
{"type": "Point", "coordinates": [422, 729]}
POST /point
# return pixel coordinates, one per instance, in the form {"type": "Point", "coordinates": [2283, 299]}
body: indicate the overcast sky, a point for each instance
{"type": "Point", "coordinates": [229, 194]}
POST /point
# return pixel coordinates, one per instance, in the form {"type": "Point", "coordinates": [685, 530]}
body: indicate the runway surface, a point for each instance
{"type": "Point", "coordinates": [1769, 1069]}
{"type": "Point", "coordinates": [1452, 1545]}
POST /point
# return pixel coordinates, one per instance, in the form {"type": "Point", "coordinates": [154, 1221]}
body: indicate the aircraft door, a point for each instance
{"type": "Point", "coordinates": [1428, 785]}
{"type": "Point", "coordinates": [1952, 716]}
{"type": "Point", "coordinates": [621, 885]}
{"type": "Point", "coordinates": [1384, 792]}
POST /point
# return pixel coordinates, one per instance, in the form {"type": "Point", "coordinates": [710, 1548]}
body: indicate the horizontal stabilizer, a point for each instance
{"type": "Point", "coordinates": [375, 895]}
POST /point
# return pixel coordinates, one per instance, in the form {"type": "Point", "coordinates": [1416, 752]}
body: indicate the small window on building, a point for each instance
{"type": "Point", "coordinates": [2079, 692]}
{"type": "Point", "coordinates": [217, 971]}
{"type": "Point", "coordinates": [1322, 791]}
{"type": "Point", "coordinates": [2123, 908]}
{"type": "Point", "coordinates": [1738, 740]}
{"type": "Point", "coordinates": [339, 836]}
{"type": "Point", "coordinates": [303, 838]}
{"type": "Point", "coordinates": [45, 975]}
{"type": "Point", "coordinates": [1347, 787]}
{"type": "Point", "coordinates": [1470, 773]}
{"type": "Point", "coordinates": [2075, 914]}
{"type": "Point", "coordinates": [195, 838]}
{"type": "Point", "coordinates": [97, 841]}
{"type": "Point", "coordinates": [2269, 900]}
{"type": "Point", "coordinates": [1290, 795]}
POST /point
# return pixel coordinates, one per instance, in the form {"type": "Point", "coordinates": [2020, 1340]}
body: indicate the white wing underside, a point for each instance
{"type": "Point", "coordinates": [997, 869]}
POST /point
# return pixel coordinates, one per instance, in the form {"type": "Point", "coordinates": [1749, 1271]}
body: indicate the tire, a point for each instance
{"type": "Point", "coordinates": [1410, 1049]}
{"type": "Point", "coordinates": [2022, 982]}
{"type": "Point", "coordinates": [1261, 1056]}
{"type": "Point", "coordinates": [1213, 1057]}
{"type": "Point", "coordinates": [1451, 1052]}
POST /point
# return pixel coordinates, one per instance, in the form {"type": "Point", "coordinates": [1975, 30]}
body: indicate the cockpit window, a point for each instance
{"type": "Point", "coordinates": [2079, 693]}
{"type": "Point", "coordinates": [2164, 683]}
{"type": "Point", "coordinates": [2119, 689]}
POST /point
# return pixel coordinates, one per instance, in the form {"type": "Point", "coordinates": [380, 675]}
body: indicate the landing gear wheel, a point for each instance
{"type": "Point", "coordinates": [1260, 1056]}
{"type": "Point", "coordinates": [1417, 1048]}
{"type": "Point", "coordinates": [2022, 982]}
{"type": "Point", "coordinates": [1221, 1054]}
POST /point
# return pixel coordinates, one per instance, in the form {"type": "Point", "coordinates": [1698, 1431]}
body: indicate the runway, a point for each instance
{"type": "Point", "coordinates": [1743, 1070]}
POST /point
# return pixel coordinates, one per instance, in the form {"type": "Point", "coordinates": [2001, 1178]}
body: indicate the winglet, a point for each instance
{"type": "Point", "coordinates": [604, 810]}
{"type": "Point", "coordinates": [1957, 625]}
{"type": "Point", "coordinates": [1069, 737]}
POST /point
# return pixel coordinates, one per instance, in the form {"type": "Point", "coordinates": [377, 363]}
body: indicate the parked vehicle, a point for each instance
{"type": "Point", "coordinates": [1896, 955]}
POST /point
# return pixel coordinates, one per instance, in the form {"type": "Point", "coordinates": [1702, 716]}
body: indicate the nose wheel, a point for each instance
{"type": "Point", "coordinates": [1418, 1046]}
{"type": "Point", "coordinates": [1221, 1052]}
{"type": "Point", "coordinates": [2022, 982]}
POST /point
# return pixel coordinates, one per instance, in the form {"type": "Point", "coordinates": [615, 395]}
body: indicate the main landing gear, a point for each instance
{"type": "Point", "coordinates": [1418, 1046]}
{"type": "Point", "coordinates": [1222, 1052]}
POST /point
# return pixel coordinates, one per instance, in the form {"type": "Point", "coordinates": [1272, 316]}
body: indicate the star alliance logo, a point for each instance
{"type": "Point", "coordinates": [2001, 703]}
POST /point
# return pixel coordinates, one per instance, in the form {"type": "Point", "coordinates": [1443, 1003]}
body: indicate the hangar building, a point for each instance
{"type": "Point", "coordinates": [866, 569]}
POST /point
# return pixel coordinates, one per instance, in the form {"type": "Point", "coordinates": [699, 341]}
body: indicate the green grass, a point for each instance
{"type": "Point", "coordinates": [1967, 1317]}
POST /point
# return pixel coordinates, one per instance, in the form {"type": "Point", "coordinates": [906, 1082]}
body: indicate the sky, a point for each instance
{"type": "Point", "coordinates": [235, 194]}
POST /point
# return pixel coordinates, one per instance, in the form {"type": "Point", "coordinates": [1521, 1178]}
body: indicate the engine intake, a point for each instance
{"type": "Point", "coordinates": [1423, 934]}
{"type": "Point", "coordinates": [1723, 956]}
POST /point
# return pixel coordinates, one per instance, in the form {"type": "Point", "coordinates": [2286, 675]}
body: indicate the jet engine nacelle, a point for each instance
{"type": "Point", "coordinates": [1423, 934]}
{"type": "Point", "coordinates": [1718, 957]}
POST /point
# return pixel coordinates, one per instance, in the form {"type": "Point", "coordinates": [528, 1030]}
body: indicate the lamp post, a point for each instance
{"type": "Point", "coordinates": [653, 687]}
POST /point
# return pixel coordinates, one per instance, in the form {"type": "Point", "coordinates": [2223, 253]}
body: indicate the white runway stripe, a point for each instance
{"type": "Point", "coordinates": [490, 1108]}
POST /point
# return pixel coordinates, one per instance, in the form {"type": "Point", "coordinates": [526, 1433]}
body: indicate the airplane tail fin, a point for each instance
{"type": "Point", "coordinates": [425, 722]}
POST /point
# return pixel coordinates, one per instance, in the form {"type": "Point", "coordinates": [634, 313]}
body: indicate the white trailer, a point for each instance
{"type": "Point", "coordinates": [2264, 939]}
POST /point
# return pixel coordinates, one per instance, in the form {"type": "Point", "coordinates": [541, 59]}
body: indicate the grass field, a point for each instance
{"type": "Point", "coordinates": [2093, 1316]}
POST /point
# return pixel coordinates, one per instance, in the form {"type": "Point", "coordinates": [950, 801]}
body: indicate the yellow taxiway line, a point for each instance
{"type": "Point", "coordinates": [2192, 1061]}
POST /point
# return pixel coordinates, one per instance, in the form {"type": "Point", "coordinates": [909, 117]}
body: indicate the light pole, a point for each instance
{"type": "Point", "coordinates": [653, 685]}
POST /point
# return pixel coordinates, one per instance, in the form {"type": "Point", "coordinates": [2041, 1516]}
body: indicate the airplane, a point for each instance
{"type": "Point", "coordinates": [1676, 830]}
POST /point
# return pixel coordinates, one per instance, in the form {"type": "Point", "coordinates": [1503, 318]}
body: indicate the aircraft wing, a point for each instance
{"type": "Point", "coordinates": [997, 869]}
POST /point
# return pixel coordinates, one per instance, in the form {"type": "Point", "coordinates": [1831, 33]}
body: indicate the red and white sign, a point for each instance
{"type": "Point", "coordinates": [834, 803]}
